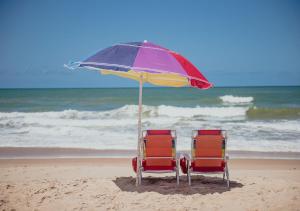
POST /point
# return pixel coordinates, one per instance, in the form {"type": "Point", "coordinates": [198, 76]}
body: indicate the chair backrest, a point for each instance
{"type": "Point", "coordinates": [159, 144]}
{"type": "Point", "coordinates": [209, 132]}
{"type": "Point", "coordinates": [158, 132]}
{"type": "Point", "coordinates": [208, 144]}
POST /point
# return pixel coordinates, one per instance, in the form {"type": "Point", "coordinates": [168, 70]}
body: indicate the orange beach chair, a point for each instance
{"type": "Point", "coordinates": [159, 153]}
{"type": "Point", "coordinates": [208, 154]}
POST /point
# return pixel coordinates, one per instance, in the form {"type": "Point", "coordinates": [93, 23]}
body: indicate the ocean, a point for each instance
{"type": "Point", "coordinates": [256, 118]}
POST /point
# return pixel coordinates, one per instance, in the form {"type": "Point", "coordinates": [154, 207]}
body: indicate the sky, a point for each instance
{"type": "Point", "coordinates": [233, 43]}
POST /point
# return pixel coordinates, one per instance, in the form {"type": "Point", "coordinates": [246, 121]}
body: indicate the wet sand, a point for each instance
{"type": "Point", "coordinates": [56, 152]}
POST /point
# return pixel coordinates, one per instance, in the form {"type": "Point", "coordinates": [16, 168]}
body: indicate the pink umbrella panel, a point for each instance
{"type": "Point", "coordinates": [159, 66]}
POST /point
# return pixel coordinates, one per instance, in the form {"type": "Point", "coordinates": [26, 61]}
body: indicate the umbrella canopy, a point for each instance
{"type": "Point", "coordinates": [157, 65]}
{"type": "Point", "coordinates": [145, 62]}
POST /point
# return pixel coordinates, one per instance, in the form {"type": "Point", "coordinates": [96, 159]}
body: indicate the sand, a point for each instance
{"type": "Point", "coordinates": [109, 184]}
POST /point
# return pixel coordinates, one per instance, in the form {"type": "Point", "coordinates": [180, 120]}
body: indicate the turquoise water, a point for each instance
{"type": "Point", "coordinates": [257, 118]}
{"type": "Point", "coordinates": [282, 101]}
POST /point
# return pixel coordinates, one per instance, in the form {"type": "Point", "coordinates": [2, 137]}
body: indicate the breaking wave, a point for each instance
{"type": "Point", "coordinates": [117, 128]}
{"type": "Point", "coordinates": [130, 111]}
{"type": "Point", "coordinates": [230, 99]}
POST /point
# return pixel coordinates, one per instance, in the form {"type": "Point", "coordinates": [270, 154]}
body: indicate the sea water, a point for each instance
{"type": "Point", "coordinates": [255, 118]}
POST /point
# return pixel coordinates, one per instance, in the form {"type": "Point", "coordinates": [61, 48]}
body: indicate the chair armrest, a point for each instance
{"type": "Point", "coordinates": [178, 155]}
{"type": "Point", "coordinates": [226, 157]}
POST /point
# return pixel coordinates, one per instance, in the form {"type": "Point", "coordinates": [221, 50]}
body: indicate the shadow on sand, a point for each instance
{"type": "Point", "coordinates": [167, 185]}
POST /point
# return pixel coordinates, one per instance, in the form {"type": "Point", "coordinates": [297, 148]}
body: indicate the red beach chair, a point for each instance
{"type": "Point", "coordinates": [208, 154]}
{"type": "Point", "coordinates": [159, 147]}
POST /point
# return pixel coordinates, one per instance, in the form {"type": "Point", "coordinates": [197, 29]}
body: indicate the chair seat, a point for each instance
{"type": "Point", "coordinates": [159, 168]}
{"type": "Point", "coordinates": [146, 167]}
{"type": "Point", "coordinates": [208, 168]}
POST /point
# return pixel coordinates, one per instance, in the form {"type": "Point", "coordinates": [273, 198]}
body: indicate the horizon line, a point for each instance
{"type": "Point", "coordinates": [147, 87]}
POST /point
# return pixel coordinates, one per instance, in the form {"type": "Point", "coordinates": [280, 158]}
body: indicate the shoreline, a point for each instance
{"type": "Point", "coordinates": [236, 164]}
{"type": "Point", "coordinates": [58, 152]}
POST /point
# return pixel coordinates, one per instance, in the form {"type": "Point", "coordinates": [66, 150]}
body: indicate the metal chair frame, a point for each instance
{"type": "Point", "coordinates": [225, 158]}
{"type": "Point", "coordinates": [176, 157]}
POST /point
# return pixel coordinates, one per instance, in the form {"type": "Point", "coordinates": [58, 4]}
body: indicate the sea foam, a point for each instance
{"type": "Point", "coordinates": [117, 128]}
{"type": "Point", "coordinates": [230, 99]}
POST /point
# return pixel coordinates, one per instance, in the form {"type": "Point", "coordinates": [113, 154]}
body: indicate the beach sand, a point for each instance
{"type": "Point", "coordinates": [109, 184]}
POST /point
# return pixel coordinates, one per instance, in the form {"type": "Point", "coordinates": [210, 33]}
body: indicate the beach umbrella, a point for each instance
{"type": "Point", "coordinates": [145, 62]}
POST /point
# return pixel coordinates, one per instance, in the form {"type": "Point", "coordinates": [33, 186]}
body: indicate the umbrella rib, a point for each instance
{"type": "Point", "coordinates": [105, 64]}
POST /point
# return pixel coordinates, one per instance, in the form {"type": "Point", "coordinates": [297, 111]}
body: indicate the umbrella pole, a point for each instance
{"type": "Point", "coordinates": [139, 131]}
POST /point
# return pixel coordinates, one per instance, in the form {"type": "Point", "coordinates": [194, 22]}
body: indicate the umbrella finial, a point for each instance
{"type": "Point", "coordinates": [145, 41]}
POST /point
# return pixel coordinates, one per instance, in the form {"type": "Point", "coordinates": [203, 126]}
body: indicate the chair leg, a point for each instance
{"type": "Point", "coordinates": [227, 176]}
{"type": "Point", "coordinates": [188, 172]}
{"type": "Point", "coordinates": [189, 176]}
{"type": "Point", "coordinates": [137, 181]}
{"type": "Point", "coordinates": [140, 177]}
{"type": "Point", "coordinates": [177, 171]}
{"type": "Point", "coordinates": [177, 176]}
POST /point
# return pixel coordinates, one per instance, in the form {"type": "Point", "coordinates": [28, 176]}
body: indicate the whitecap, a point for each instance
{"type": "Point", "coordinates": [230, 99]}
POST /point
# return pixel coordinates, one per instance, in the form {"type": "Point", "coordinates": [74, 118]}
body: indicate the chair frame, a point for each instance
{"type": "Point", "coordinates": [225, 158]}
{"type": "Point", "coordinates": [176, 157]}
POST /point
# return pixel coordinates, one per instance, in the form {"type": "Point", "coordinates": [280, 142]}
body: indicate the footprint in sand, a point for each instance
{"type": "Point", "coordinates": [69, 192]}
{"type": "Point", "coordinates": [2, 202]}
{"type": "Point", "coordinates": [43, 199]}
{"type": "Point", "coordinates": [43, 190]}
{"type": "Point", "coordinates": [9, 186]}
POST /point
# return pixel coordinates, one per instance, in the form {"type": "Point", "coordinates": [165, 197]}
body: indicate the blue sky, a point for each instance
{"type": "Point", "coordinates": [234, 43]}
